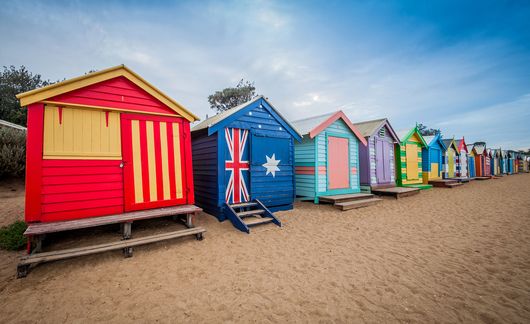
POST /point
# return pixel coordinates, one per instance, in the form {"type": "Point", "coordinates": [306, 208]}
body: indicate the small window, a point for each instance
{"type": "Point", "coordinates": [382, 132]}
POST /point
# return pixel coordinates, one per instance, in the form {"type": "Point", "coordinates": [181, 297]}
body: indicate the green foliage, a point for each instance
{"type": "Point", "coordinates": [12, 152]}
{"type": "Point", "coordinates": [424, 131]}
{"type": "Point", "coordinates": [12, 82]}
{"type": "Point", "coordinates": [11, 236]}
{"type": "Point", "coordinates": [232, 97]}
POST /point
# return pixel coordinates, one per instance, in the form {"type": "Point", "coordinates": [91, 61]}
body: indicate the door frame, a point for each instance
{"type": "Point", "coordinates": [128, 179]}
{"type": "Point", "coordinates": [339, 190]}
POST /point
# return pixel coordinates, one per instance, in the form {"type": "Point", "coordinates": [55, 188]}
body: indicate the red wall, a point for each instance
{"type": "Point", "coordinates": [80, 188]}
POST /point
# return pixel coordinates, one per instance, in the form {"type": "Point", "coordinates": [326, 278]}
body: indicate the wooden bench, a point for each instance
{"type": "Point", "coordinates": [36, 232]}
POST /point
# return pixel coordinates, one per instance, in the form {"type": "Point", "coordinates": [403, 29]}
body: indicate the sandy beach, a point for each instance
{"type": "Point", "coordinates": [444, 256]}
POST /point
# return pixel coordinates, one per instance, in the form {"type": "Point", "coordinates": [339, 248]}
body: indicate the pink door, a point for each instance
{"type": "Point", "coordinates": [338, 163]}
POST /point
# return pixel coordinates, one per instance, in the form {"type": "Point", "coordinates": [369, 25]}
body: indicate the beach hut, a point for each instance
{"type": "Point", "coordinates": [471, 162]}
{"type": "Point", "coordinates": [509, 162]}
{"type": "Point", "coordinates": [327, 161]}
{"type": "Point", "coordinates": [105, 148]}
{"type": "Point", "coordinates": [432, 163]}
{"type": "Point", "coordinates": [243, 164]}
{"type": "Point", "coordinates": [409, 163]}
{"type": "Point", "coordinates": [105, 143]}
{"type": "Point", "coordinates": [449, 158]}
{"type": "Point", "coordinates": [377, 162]}
{"type": "Point", "coordinates": [491, 155]}
{"type": "Point", "coordinates": [482, 160]}
{"type": "Point", "coordinates": [461, 158]}
{"type": "Point", "coordinates": [503, 158]}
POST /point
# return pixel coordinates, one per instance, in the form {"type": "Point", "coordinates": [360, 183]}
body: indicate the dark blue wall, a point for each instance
{"type": "Point", "coordinates": [204, 152]}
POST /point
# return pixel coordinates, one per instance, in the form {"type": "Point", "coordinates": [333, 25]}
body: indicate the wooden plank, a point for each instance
{"type": "Point", "coordinates": [257, 221]}
{"type": "Point", "coordinates": [43, 228]}
{"type": "Point", "coordinates": [76, 252]}
{"type": "Point", "coordinates": [250, 212]}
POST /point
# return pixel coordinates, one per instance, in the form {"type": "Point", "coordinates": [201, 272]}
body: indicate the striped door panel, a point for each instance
{"type": "Point", "coordinates": [152, 152]}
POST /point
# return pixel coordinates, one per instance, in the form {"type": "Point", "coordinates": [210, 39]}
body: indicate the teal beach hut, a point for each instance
{"type": "Point", "coordinates": [327, 159]}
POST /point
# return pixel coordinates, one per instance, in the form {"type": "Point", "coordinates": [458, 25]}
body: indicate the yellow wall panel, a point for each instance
{"type": "Point", "coordinates": [82, 133]}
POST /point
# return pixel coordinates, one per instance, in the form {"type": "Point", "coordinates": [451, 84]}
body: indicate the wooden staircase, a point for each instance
{"type": "Point", "coordinates": [248, 214]}
{"type": "Point", "coordinates": [350, 201]}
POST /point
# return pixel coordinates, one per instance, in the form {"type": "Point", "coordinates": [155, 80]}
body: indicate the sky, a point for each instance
{"type": "Point", "coordinates": [460, 66]}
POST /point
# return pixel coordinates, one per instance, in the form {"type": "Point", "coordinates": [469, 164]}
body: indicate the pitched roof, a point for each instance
{"type": "Point", "coordinates": [218, 120]}
{"type": "Point", "coordinates": [41, 94]}
{"type": "Point", "coordinates": [315, 125]}
{"type": "Point", "coordinates": [370, 127]}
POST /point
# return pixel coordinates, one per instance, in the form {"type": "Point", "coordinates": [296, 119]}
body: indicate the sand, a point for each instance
{"type": "Point", "coordinates": [445, 255]}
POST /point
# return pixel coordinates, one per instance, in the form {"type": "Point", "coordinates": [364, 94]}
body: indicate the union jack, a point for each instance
{"type": "Point", "coordinates": [237, 188]}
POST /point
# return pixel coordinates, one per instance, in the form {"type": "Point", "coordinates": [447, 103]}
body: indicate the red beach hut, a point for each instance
{"type": "Point", "coordinates": [105, 143]}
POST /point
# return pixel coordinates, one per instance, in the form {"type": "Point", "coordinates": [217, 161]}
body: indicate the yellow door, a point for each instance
{"type": "Point", "coordinates": [434, 171]}
{"type": "Point", "coordinates": [412, 161]}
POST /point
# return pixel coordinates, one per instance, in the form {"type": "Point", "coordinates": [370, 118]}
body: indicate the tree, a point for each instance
{"type": "Point", "coordinates": [12, 82]}
{"type": "Point", "coordinates": [424, 131]}
{"type": "Point", "coordinates": [231, 97]}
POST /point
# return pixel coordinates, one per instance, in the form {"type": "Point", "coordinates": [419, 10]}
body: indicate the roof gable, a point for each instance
{"type": "Point", "coordinates": [413, 132]}
{"type": "Point", "coordinates": [117, 93]}
{"type": "Point", "coordinates": [371, 127]}
{"type": "Point", "coordinates": [315, 125]}
{"type": "Point", "coordinates": [435, 141]}
{"type": "Point", "coordinates": [60, 88]}
{"type": "Point", "coordinates": [461, 144]}
{"type": "Point", "coordinates": [450, 142]}
{"type": "Point", "coordinates": [221, 120]}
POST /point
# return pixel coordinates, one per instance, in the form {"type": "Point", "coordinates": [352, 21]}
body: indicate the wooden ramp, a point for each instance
{"type": "Point", "coordinates": [350, 201]}
{"type": "Point", "coordinates": [35, 234]}
{"type": "Point", "coordinates": [445, 183]}
{"type": "Point", "coordinates": [482, 178]}
{"type": "Point", "coordinates": [397, 192]}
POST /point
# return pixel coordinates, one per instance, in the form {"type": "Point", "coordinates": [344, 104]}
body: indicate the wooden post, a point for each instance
{"type": "Point", "coordinates": [127, 230]}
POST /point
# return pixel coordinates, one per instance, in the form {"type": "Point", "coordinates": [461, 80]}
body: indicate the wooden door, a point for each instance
{"type": "Point", "coordinates": [382, 156]}
{"type": "Point", "coordinates": [412, 161]}
{"type": "Point", "coordinates": [338, 163]}
{"type": "Point", "coordinates": [153, 151]}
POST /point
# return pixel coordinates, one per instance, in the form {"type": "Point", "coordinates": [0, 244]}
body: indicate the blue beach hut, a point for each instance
{"type": "Point", "coordinates": [432, 162]}
{"type": "Point", "coordinates": [243, 164]}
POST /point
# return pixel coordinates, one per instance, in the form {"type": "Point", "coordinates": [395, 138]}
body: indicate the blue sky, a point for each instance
{"type": "Point", "coordinates": [460, 66]}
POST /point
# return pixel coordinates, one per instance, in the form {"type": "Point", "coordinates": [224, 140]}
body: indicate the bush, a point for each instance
{"type": "Point", "coordinates": [11, 236]}
{"type": "Point", "coordinates": [12, 152]}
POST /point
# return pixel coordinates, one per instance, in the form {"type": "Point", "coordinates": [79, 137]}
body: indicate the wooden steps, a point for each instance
{"type": "Point", "coordinates": [248, 214]}
{"type": "Point", "coordinates": [397, 192]}
{"type": "Point", "coordinates": [445, 183]}
{"type": "Point", "coordinates": [482, 178]}
{"type": "Point", "coordinates": [419, 186]}
{"type": "Point", "coordinates": [350, 201]}
{"type": "Point", "coordinates": [347, 205]}
{"type": "Point", "coordinates": [342, 198]}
